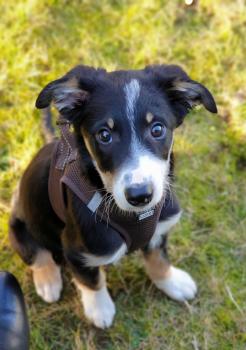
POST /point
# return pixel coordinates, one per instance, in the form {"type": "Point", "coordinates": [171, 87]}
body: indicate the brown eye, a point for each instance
{"type": "Point", "coordinates": [104, 136]}
{"type": "Point", "coordinates": [158, 131]}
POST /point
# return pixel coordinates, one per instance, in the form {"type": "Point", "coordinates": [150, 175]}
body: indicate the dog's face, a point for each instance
{"type": "Point", "coordinates": [126, 121]}
{"type": "Point", "coordinates": [128, 130]}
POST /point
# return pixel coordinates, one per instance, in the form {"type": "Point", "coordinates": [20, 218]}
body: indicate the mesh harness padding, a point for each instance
{"type": "Point", "coordinates": [136, 229]}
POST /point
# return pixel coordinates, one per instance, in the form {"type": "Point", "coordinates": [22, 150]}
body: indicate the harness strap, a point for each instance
{"type": "Point", "coordinates": [68, 151]}
{"type": "Point", "coordinates": [64, 152]}
{"type": "Point", "coordinates": [55, 187]}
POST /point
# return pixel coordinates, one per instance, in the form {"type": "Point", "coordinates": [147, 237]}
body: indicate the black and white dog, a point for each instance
{"type": "Point", "coordinates": [123, 122]}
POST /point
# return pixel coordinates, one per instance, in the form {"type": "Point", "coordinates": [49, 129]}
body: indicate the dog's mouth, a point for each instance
{"type": "Point", "coordinates": [135, 198]}
{"type": "Point", "coordinates": [138, 189]}
{"type": "Point", "coordinates": [140, 196]}
{"type": "Point", "coordinates": [138, 185]}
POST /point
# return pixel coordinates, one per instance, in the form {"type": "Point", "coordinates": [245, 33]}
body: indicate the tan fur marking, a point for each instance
{"type": "Point", "coordinates": [87, 144]}
{"type": "Point", "coordinates": [72, 86]}
{"type": "Point", "coordinates": [44, 268]}
{"type": "Point", "coordinates": [47, 277]}
{"type": "Point", "coordinates": [73, 83]}
{"type": "Point", "coordinates": [110, 123]}
{"type": "Point", "coordinates": [149, 117]}
{"type": "Point", "coordinates": [101, 282]}
{"type": "Point", "coordinates": [157, 267]}
{"type": "Point", "coordinates": [185, 85]}
{"type": "Point", "coordinates": [107, 177]}
{"type": "Point", "coordinates": [16, 205]}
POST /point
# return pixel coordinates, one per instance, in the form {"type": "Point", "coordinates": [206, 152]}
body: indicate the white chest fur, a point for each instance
{"type": "Point", "coordinates": [162, 228]}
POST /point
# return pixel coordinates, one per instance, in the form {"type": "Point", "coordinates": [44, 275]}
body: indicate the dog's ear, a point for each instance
{"type": "Point", "coordinates": [182, 92]}
{"type": "Point", "coordinates": [71, 92]}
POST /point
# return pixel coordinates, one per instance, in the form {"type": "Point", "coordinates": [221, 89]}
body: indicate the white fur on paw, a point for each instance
{"type": "Point", "coordinates": [48, 284]}
{"type": "Point", "coordinates": [178, 285]}
{"type": "Point", "coordinates": [98, 306]}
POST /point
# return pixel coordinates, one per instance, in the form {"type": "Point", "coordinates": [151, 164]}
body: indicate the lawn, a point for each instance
{"type": "Point", "coordinates": [40, 41]}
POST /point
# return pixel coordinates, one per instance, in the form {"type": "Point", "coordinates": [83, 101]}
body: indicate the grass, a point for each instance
{"type": "Point", "coordinates": [40, 41]}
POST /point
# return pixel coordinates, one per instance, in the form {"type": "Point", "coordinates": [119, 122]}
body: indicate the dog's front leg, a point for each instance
{"type": "Point", "coordinates": [91, 283]}
{"type": "Point", "coordinates": [174, 282]}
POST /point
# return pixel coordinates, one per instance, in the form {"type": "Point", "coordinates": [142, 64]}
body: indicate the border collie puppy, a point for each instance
{"type": "Point", "coordinates": [122, 136]}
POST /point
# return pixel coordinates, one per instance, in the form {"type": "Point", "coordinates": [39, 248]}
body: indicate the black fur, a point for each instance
{"type": "Point", "coordinates": [87, 97]}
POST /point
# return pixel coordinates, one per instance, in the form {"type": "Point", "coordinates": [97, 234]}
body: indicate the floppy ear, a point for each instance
{"type": "Point", "coordinates": [71, 92]}
{"type": "Point", "coordinates": [182, 92]}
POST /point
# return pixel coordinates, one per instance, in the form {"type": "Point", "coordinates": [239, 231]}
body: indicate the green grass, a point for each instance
{"type": "Point", "coordinates": [40, 41]}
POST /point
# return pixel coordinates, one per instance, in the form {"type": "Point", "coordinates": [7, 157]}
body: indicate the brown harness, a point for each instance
{"type": "Point", "coordinates": [136, 229]}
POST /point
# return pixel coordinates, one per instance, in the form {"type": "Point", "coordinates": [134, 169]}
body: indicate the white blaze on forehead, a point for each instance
{"type": "Point", "coordinates": [132, 92]}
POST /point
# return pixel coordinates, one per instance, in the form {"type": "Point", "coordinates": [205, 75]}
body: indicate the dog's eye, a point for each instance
{"type": "Point", "coordinates": [104, 136]}
{"type": "Point", "coordinates": [158, 131]}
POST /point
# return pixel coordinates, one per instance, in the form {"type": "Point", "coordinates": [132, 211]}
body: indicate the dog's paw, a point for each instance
{"type": "Point", "coordinates": [178, 285]}
{"type": "Point", "coordinates": [98, 307]}
{"type": "Point", "coordinates": [48, 283]}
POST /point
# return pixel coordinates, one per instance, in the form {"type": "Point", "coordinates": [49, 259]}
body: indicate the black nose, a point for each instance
{"type": "Point", "coordinates": [139, 195]}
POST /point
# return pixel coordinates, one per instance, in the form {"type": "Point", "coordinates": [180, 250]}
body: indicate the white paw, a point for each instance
{"type": "Point", "coordinates": [98, 307]}
{"type": "Point", "coordinates": [178, 285]}
{"type": "Point", "coordinates": [48, 284]}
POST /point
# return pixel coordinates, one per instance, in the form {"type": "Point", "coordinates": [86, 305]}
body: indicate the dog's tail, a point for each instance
{"type": "Point", "coordinates": [47, 126]}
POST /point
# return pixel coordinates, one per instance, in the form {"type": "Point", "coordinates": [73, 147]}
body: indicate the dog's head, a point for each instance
{"type": "Point", "coordinates": [125, 120]}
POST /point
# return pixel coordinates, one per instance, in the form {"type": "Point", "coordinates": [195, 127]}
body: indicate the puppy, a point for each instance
{"type": "Point", "coordinates": [122, 137]}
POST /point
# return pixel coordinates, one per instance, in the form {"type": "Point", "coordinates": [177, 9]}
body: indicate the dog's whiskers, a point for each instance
{"type": "Point", "coordinates": [104, 198]}
{"type": "Point", "coordinates": [104, 203]}
{"type": "Point", "coordinates": [110, 199]}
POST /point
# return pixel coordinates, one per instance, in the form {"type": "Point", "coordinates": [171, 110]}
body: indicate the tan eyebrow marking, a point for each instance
{"type": "Point", "coordinates": [110, 123]}
{"type": "Point", "coordinates": [149, 117]}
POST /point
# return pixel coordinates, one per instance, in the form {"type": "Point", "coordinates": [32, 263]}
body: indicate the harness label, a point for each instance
{"type": "Point", "coordinates": [146, 214]}
{"type": "Point", "coordinates": [95, 202]}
